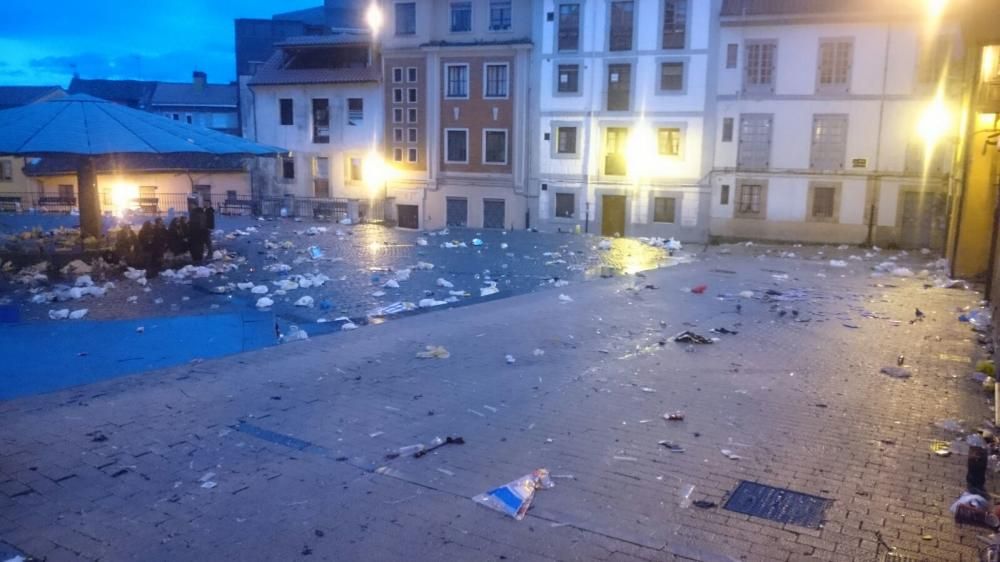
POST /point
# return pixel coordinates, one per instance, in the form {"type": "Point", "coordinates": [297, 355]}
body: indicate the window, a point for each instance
{"type": "Point", "coordinates": [674, 24]}
{"type": "Point", "coordinates": [68, 192]}
{"type": "Point", "coordinates": [355, 169]}
{"type": "Point", "coordinates": [829, 142]}
{"type": "Point", "coordinates": [411, 115]}
{"type": "Point", "coordinates": [754, 149]}
{"type": "Point", "coordinates": [668, 141]}
{"type": "Point", "coordinates": [288, 168]}
{"type": "Point", "coordinates": [566, 140]}
{"type": "Point", "coordinates": [622, 22]}
{"type": "Point", "coordinates": [321, 177]}
{"type": "Point", "coordinates": [615, 144]}
{"type": "Point", "coordinates": [664, 209]}
{"type": "Point", "coordinates": [231, 195]}
{"type": "Point", "coordinates": [500, 15]}
{"type": "Point", "coordinates": [406, 18]}
{"type": "Point", "coordinates": [397, 74]}
{"type": "Point", "coordinates": [833, 74]}
{"type": "Point", "coordinates": [672, 76]}
{"type": "Point", "coordinates": [189, 118]}
{"type": "Point", "coordinates": [824, 202]}
{"type": "Point", "coordinates": [619, 87]}
{"type": "Point", "coordinates": [397, 95]}
{"type": "Point", "coordinates": [724, 195]}
{"type": "Point", "coordinates": [397, 135]}
{"type": "Point", "coordinates": [176, 116]}
{"type": "Point", "coordinates": [411, 155]}
{"type": "Point", "coordinates": [750, 200]}
{"type": "Point", "coordinates": [355, 109]}
{"type": "Point", "coordinates": [569, 28]}
{"type": "Point", "coordinates": [495, 146]}
{"type": "Point", "coordinates": [565, 205]}
{"type": "Point", "coordinates": [397, 115]}
{"type": "Point", "coordinates": [411, 74]}
{"type": "Point", "coordinates": [6, 170]}
{"type": "Point", "coordinates": [321, 120]}
{"type": "Point", "coordinates": [569, 78]}
{"type": "Point", "coordinates": [287, 114]}
{"type": "Point", "coordinates": [732, 55]}
{"type": "Point", "coordinates": [461, 17]}
{"type": "Point", "coordinates": [457, 76]}
{"type": "Point", "coordinates": [411, 135]}
{"type": "Point", "coordinates": [411, 95]}
{"type": "Point", "coordinates": [727, 129]}
{"type": "Point", "coordinates": [759, 68]}
{"type": "Point", "coordinates": [496, 81]}
{"type": "Point", "coordinates": [397, 155]}
{"type": "Point", "coordinates": [456, 145]}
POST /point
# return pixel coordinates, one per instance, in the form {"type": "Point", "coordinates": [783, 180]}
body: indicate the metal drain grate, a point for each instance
{"type": "Point", "coordinates": [778, 504]}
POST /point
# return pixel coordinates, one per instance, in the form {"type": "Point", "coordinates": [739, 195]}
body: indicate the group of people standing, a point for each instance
{"type": "Point", "coordinates": [147, 248]}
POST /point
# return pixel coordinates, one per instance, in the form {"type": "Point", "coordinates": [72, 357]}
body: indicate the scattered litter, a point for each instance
{"type": "Point", "coordinates": [704, 504]}
{"type": "Point", "coordinates": [699, 289]}
{"type": "Point", "coordinates": [746, 294]}
{"type": "Point", "coordinates": [437, 443]}
{"type": "Point", "coordinates": [429, 303]}
{"type": "Point", "coordinates": [348, 326]}
{"type": "Point", "coordinates": [487, 291]}
{"type": "Point", "coordinates": [674, 416]}
{"type": "Point", "coordinates": [441, 282]}
{"type": "Point", "coordinates": [838, 263]}
{"type": "Point", "coordinates": [510, 359]}
{"type": "Point", "coordinates": [538, 352]}
{"type": "Point", "coordinates": [952, 425]}
{"type": "Point", "coordinates": [305, 301]}
{"type": "Point", "coordinates": [209, 485]}
{"type": "Point", "coordinates": [673, 447]}
{"type": "Point", "coordinates": [626, 459]}
{"type": "Point", "coordinates": [294, 334]}
{"type": "Point", "coordinates": [60, 314]}
{"type": "Point", "coordinates": [434, 352]}
{"type": "Point", "coordinates": [896, 372]}
{"type": "Point", "coordinates": [78, 314]}
{"type": "Point", "coordinates": [264, 302]}
{"type": "Point", "coordinates": [730, 455]}
{"type": "Point", "coordinates": [941, 448]}
{"type": "Point", "coordinates": [688, 336]}
{"type": "Point", "coordinates": [445, 471]}
{"type": "Point", "coordinates": [259, 290]}
{"type": "Point", "coordinates": [565, 298]}
{"type": "Point", "coordinates": [686, 492]}
{"type": "Point", "coordinates": [514, 498]}
{"type": "Point", "coordinates": [477, 242]}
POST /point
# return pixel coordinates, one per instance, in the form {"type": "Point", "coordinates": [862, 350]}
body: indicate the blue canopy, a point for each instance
{"type": "Point", "coordinates": [88, 126]}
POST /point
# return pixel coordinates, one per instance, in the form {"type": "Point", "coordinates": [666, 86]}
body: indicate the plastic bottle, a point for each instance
{"type": "Point", "coordinates": [686, 492]}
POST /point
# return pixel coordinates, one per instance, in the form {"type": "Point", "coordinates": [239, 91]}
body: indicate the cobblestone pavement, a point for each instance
{"type": "Point", "coordinates": [280, 453]}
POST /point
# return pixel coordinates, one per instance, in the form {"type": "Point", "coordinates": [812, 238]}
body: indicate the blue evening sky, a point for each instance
{"type": "Point", "coordinates": [42, 40]}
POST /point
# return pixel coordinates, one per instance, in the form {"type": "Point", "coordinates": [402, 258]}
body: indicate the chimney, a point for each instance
{"type": "Point", "coordinates": [199, 79]}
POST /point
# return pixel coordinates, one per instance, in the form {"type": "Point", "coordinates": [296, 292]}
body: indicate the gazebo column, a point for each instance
{"type": "Point", "coordinates": [90, 199]}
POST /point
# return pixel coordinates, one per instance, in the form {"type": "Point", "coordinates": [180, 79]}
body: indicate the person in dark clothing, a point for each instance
{"type": "Point", "coordinates": [144, 246]}
{"type": "Point", "coordinates": [173, 237]}
{"type": "Point", "coordinates": [209, 227]}
{"type": "Point", "coordinates": [157, 248]}
{"type": "Point", "coordinates": [197, 234]}
{"type": "Point", "coordinates": [124, 244]}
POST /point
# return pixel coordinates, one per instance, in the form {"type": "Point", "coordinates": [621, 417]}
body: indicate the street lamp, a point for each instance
{"type": "Point", "coordinates": [934, 122]}
{"type": "Point", "coordinates": [373, 16]}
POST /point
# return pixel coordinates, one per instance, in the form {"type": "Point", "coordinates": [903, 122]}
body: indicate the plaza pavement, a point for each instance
{"type": "Point", "coordinates": [280, 453]}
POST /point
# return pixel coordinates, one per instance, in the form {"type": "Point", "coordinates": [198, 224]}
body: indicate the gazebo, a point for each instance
{"type": "Point", "coordinates": [85, 127]}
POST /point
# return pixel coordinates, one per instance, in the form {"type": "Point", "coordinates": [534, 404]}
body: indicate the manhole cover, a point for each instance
{"type": "Point", "coordinates": [778, 504]}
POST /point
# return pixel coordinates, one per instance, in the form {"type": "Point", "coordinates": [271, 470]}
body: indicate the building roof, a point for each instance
{"type": "Point", "coordinates": [274, 73]}
{"type": "Point", "coordinates": [133, 93]}
{"type": "Point", "coordinates": [88, 126]}
{"type": "Point", "coordinates": [62, 165]}
{"type": "Point", "coordinates": [189, 94]}
{"type": "Point", "coordinates": [360, 38]}
{"type": "Point", "coordinates": [16, 96]}
{"type": "Point", "coordinates": [739, 8]}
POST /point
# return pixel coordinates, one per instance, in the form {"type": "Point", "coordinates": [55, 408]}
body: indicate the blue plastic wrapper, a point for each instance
{"type": "Point", "coordinates": [514, 498]}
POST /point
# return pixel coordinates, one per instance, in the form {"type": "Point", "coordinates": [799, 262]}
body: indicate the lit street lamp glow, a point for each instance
{"type": "Point", "coordinates": [373, 16]}
{"type": "Point", "coordinates": [934, 122]}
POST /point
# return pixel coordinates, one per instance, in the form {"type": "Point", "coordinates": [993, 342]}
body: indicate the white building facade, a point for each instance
{"type": "Point", "coordinates": [819, 114]}
{"type": "Point", "coordinates": [320, 98]}
{"type": "Point", "coordinates": [624, 99]}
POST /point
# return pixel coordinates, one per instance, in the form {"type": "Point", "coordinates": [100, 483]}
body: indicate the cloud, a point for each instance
{"type": "Point", "coordinates": [171, 66]}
